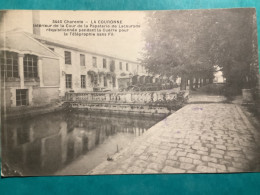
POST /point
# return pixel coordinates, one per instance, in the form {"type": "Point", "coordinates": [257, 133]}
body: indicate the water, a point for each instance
{"type": "Point", "coordinates": [66, 143]}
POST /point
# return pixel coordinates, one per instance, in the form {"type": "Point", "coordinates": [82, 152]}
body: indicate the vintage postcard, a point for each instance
{"type": "Point", "coordinates": [129, 92]}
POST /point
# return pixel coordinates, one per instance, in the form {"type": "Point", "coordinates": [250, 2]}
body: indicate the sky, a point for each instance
{"type": "Point", "coordinates": [124, 45]}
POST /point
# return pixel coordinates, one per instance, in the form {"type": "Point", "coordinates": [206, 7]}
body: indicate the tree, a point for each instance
{"type": "Point", "coordinates": [191, 43]}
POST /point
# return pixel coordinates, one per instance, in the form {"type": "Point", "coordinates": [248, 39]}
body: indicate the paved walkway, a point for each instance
{"type": "Point", "coordinates": [196, 139]}
{"type": "Point", "coordinates": [194, 98]}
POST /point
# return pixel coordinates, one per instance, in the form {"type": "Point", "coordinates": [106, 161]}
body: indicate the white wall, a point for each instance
{"type": "Point", "coordinates": [77, 70]}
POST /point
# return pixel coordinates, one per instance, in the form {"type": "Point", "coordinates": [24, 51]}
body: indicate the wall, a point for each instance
{"type": "Point", "coordinates": [77, 70]}
{"type": "Point", "coordinates": [7, 90]}
{"type": "Point", "coordinates": [46, 95]}
{"type": "Point", "coordinates": [50, 72]}
{"type": "Point", "coordinates": [7, 93]}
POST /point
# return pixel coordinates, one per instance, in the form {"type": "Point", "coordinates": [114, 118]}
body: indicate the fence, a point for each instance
{"type": "Point", "coordinates": [125, 97]}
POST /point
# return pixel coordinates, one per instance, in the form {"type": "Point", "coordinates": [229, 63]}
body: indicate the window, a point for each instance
{"type": "Point", "coordinates": [21, 97]}
{"type": "Point", "coordinates": [114, 81]}
{"type": "Point", "coordinates": [112, 65]}
{"type": "Point", "coordinates": [105, 81]}
{"type": "Point", "coordinates": [83, 81]}
{"type": "Point", "coordinates": [9, 64]}
{"type": "Point", "coordinates": [94, 61]}
{"type": "Point", "coordinates": [126, 66]}
{"type": "Point", "coordinates": [120, 66]}
{"type": "Point", "coordinates": [67, 55]}
{"type": "Point", "coordinates": [104, 63]}
{"type": "Point", "coordinates": [30, 66]}
{"type": "Point", "coordinates": [82, 60]}
{"type": "Point", "coordinates": [51, 48]}
{"type": "Point", "coordinates": [68, 81]}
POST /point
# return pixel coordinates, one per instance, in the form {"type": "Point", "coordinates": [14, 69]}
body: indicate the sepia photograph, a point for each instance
{"type": "Point", "coordinates": [129, 92]}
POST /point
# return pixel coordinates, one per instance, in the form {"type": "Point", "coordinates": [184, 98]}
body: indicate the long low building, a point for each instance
{"type": "Point", "coordinates": [84, 70]}
{"type": "Point", "coordinates": [36, 70]}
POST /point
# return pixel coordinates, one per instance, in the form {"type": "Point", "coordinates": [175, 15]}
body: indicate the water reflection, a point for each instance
{"type": "Point", "coordinates": [47, 143]}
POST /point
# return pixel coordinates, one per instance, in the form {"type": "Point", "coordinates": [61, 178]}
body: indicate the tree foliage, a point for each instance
{"type": "Point", "coordinates": [192, 42]}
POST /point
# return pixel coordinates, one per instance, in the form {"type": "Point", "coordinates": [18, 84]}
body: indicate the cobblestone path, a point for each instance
{"type": "Point", "coordinates": [198, 138]}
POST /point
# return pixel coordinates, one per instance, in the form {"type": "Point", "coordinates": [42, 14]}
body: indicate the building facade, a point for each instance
{"type": "Point", "coordinates": [36, 71]}
{"type": "Point", "coordinates": [30, 72]}
{"type": "Point", "coordinates": [82, 70]}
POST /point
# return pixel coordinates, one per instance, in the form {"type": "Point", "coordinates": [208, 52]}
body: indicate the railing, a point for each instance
{"type": "Point", "coordinates": [125, 97]}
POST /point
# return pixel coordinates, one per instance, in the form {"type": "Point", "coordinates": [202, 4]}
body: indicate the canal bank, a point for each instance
{"type": "Point", "coordinates": [73, 137]}
{"type": "Point", "coordinates": [147, 103]}
{"type": "Point", "coordinates": [198, 138]}
{"type": "Point", "coordinates": [69, 143]}
{"type": "Point", "coordinates": [31, 111]}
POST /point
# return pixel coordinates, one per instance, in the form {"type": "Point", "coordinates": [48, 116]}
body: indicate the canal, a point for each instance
{"type": "Point", "coordinates": [70, 143]}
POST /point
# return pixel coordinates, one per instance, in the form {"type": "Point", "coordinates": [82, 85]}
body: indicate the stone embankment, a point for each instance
{"type": "Point", "coordinates": [199, 138]}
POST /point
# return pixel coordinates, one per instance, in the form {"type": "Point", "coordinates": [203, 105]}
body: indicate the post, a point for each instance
{"type": "Point", "coordinates": [40, 71]}
{"type": "Point", "coordinates": [183, 83]}
{"type": "Point", "coordinates": [196, 83]}
{"type": "Point", "coordinates": [191, 83]}
{"type": "Point", "coordinates": [204, 81]}
{"type": "Point", "coordinates": [128, 97]}
{"type": "Point", "coordinates": [21, 71]}
{"type": "Point", "coordinates": [201, 82]}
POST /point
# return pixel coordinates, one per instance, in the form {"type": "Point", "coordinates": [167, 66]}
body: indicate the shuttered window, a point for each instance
{"type": "Point", "coordinates": [68, 81]}
{"type": "Point", "coordinates": [105, 81]}
{"type": "Point", "coordinates": [104, 63]}
{"type": "Point", "coordinates": [83, 81]}
{"type": "Point", "coordinates": [82, 60]}
{"type": "Point", "coordinates": [67, 55]}
{"type": "Point", "coordinates": [94, 61]}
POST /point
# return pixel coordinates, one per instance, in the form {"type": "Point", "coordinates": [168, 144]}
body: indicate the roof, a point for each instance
{"type": "Point", "coordinates": [18, 41]}
{"type": "Point", "coordinates": [47, 40]}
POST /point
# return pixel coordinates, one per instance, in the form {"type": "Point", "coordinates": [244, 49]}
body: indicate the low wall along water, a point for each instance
{"type": "Point", "coordinates": [148, 102]}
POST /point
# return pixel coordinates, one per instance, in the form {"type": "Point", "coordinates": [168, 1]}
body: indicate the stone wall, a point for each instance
{"type": "Point", "coordinates": [51, 72]}
{"type": "Point", "coordinates": [45, 95]}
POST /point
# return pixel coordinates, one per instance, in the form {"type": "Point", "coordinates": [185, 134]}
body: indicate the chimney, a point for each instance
{"type": "Point", "coordinates": [36, 20]}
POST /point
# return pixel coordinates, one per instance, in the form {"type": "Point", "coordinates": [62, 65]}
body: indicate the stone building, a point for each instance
{"type": "Point", "coordinates": [83, 70]}
{"type": "Point", "coordinates": [30, 72]}
{"type": "Point", "coordinates": [36, 70]}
